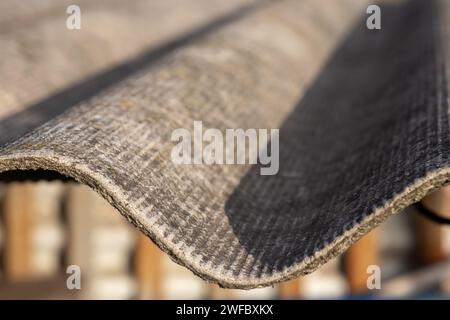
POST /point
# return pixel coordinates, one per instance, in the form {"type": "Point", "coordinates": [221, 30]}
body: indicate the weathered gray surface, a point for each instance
{"type": "Point", "coordinates": [369, 136]}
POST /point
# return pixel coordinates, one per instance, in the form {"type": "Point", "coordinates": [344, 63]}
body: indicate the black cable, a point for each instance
{"type": "Point", "coordinates": [430, 214]}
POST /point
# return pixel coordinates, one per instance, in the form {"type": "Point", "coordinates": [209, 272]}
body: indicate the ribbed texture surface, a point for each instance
{"type": "Point", "coordinates": [368, 137]}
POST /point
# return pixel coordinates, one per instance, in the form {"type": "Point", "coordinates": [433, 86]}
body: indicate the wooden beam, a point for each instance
{"type": "Point", "coordinates": [78, 208]}
{"type": "Point", "coordinates": [290, 289]}
{"type": "Point", "coordinates": [149, 268]}
{"type": "Point", "coordinates": [358, 257]}
{"type": "Point", "coordinates": [18, 223]}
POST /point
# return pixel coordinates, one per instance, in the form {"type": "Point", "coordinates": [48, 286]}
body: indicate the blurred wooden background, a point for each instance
{"type": "Point", "coordinates": [47, 226]}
